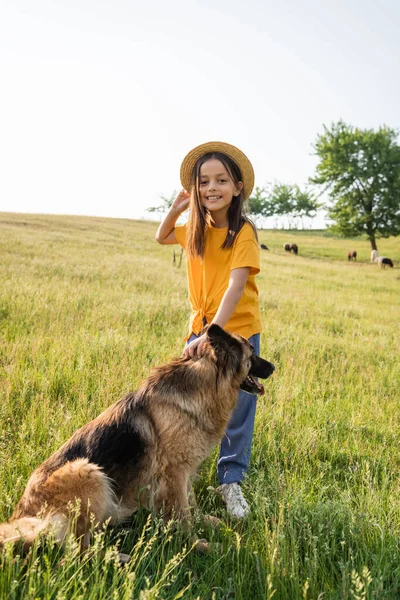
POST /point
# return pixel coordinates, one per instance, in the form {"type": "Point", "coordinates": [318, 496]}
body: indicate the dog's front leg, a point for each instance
{"type": "Point", "coordinates": [175, 497]}
{"type": "Point", "coordinates": [171, 497]}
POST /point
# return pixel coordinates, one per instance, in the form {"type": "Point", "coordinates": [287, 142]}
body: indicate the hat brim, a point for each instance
{"type": "Point", "coordinates": [232, 152]}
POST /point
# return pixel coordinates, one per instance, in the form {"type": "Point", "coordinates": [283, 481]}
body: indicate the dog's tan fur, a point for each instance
{"type": "Point", "coordinates": [143, 450]}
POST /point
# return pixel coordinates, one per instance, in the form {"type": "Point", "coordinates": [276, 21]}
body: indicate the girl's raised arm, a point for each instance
{"type": "Point", "coordinates": [165, 233]}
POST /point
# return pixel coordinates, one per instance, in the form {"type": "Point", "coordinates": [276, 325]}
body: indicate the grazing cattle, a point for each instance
{"type": "Point", "coordinates": [384, 262]}
{"type": "Point", "coordinates": [352, 255]}
{"type": "Point", "coordinates": [294, 248]}
{"type": "Point", "coordinates": [286, 247]}
{"type": "Point", "coordinates": [264, 247]}
{"type": "Point", "coordinates": [374, 255]}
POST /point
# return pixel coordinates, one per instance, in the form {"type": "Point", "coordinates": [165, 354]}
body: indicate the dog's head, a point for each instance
{"type": "Point", "coordinates": [236, 355]}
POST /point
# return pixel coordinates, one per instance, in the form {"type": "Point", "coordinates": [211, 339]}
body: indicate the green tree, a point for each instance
{"type": "Point", "coordinates": [166, 203]}
{"type": "Point", "coordinates": [279, 199]}
{"type": "Point", "coordinates": [360, 169]}
{"type": "Point", "coordinates": [255, 203]}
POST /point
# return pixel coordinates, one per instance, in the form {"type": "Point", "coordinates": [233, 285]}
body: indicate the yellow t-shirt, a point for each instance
{"type": "Point", "coordinates": [208, 279]}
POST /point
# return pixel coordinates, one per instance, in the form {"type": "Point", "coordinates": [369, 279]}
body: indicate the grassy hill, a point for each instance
{"type": "Point", "coordinates": [89, 305]}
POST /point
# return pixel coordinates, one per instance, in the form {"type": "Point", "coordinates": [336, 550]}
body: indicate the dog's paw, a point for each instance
{"type": "Point", "coordinates": [205, 547]}
{"type": "Point", "coordinates": [124, 559]}
{"type": "Point", "coordinates": [202, 546]}
{"type": "Point", "coordinates": [212, 521]}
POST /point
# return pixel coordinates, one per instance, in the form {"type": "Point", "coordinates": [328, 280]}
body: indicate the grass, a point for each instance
{"type": "Point", "coordinates": [88, 305]}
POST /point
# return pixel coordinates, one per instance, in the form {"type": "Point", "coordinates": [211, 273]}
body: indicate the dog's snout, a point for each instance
{"type": "Point", "coordinates": [261, 368]}
{"type": "Point", "coordinates": [269, 369]}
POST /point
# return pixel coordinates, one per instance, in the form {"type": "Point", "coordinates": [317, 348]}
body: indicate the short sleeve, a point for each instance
{"type": "Point", "coordinates": [246, 252]}
{"type": "Point", "coordinates": [180, 234]}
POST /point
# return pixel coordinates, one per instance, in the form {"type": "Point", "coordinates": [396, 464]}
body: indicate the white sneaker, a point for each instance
{"type": "Point", "coordinates": [236, 504]}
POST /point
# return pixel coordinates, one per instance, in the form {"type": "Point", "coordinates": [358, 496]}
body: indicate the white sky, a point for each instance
{"type": "Point", "coordinates": [100, 100]}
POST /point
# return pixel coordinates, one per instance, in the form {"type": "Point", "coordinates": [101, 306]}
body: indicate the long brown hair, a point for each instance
{"type": "Point", "coordinates": [198, 222]}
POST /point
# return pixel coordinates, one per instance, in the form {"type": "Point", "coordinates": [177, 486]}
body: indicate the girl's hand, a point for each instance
{"type": "Point", "coordinates": [195, 348]}
{"type": "Point", "coordinates": [181, 202]}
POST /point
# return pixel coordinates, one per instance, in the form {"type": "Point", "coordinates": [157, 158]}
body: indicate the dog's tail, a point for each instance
{"type": "Point", "coordinates": [78, 495]}
{"type": "Point", "coordinates": [27, 529]}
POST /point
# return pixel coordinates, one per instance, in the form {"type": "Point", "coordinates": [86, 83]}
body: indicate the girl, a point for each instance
{"type": "Point", "coordinates": [222, 259]}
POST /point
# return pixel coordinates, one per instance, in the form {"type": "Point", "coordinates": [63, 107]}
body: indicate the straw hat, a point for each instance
{"type": "Point", "coordinates": [234, 153]}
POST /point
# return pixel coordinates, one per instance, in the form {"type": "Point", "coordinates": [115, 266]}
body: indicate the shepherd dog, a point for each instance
{"type": "Point", "coordinates": [143, 450]}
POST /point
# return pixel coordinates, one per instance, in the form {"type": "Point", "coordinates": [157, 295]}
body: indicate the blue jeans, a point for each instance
{"type": "Point", "coordinates": [235, 449]}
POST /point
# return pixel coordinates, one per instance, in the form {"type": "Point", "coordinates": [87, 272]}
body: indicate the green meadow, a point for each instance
{"type": "Point", "coordinates": [89, 305]}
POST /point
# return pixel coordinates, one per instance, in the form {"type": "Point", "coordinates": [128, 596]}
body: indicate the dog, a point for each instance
{"type": "Point", "coordinates": [143, 450]}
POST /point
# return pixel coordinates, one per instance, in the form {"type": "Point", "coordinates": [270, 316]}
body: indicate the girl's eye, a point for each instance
{"type": "Point", "coordinates": [203, 182]}
{"type": "Point", "coordinates": [223, 180]}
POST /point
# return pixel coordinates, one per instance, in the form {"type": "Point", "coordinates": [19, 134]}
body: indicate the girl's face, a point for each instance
{"type": "Point", "coordinates": [217, 187]}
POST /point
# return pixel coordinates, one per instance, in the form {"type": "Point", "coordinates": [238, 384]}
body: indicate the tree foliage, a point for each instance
{"type": "Point", "coordinates": [360, 168]}
{"type": "Point", "coordinates": [275, 199]}
{"type": "Point", "coordinates": [166, 203]}
{"type": "Point", "coordinates": [279, 199]}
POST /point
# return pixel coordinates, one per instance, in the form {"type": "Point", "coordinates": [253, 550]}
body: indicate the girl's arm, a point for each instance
{"type": "Point", "coordinates": [230, 299]}
{"type": "Point", "coordinates": [165, 233]}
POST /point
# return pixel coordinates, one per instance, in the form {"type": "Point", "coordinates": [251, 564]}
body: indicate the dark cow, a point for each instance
{"type": "Point", "coordinates": [384, 262]}
{"type": "Point", "coordinates": [286, 247]}
{"type": "Point", "coordinates": [294, 248]}
{"type": "Point", "coordinates": [352, 255]}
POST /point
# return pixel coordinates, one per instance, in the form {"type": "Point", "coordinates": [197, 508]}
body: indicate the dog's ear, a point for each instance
{"type": "Point", "coordinates": [218, 335]}
{"type": "Point", "coordinates": [228, 351]}
{"type": "Point", "coordinates": [219, 338]}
